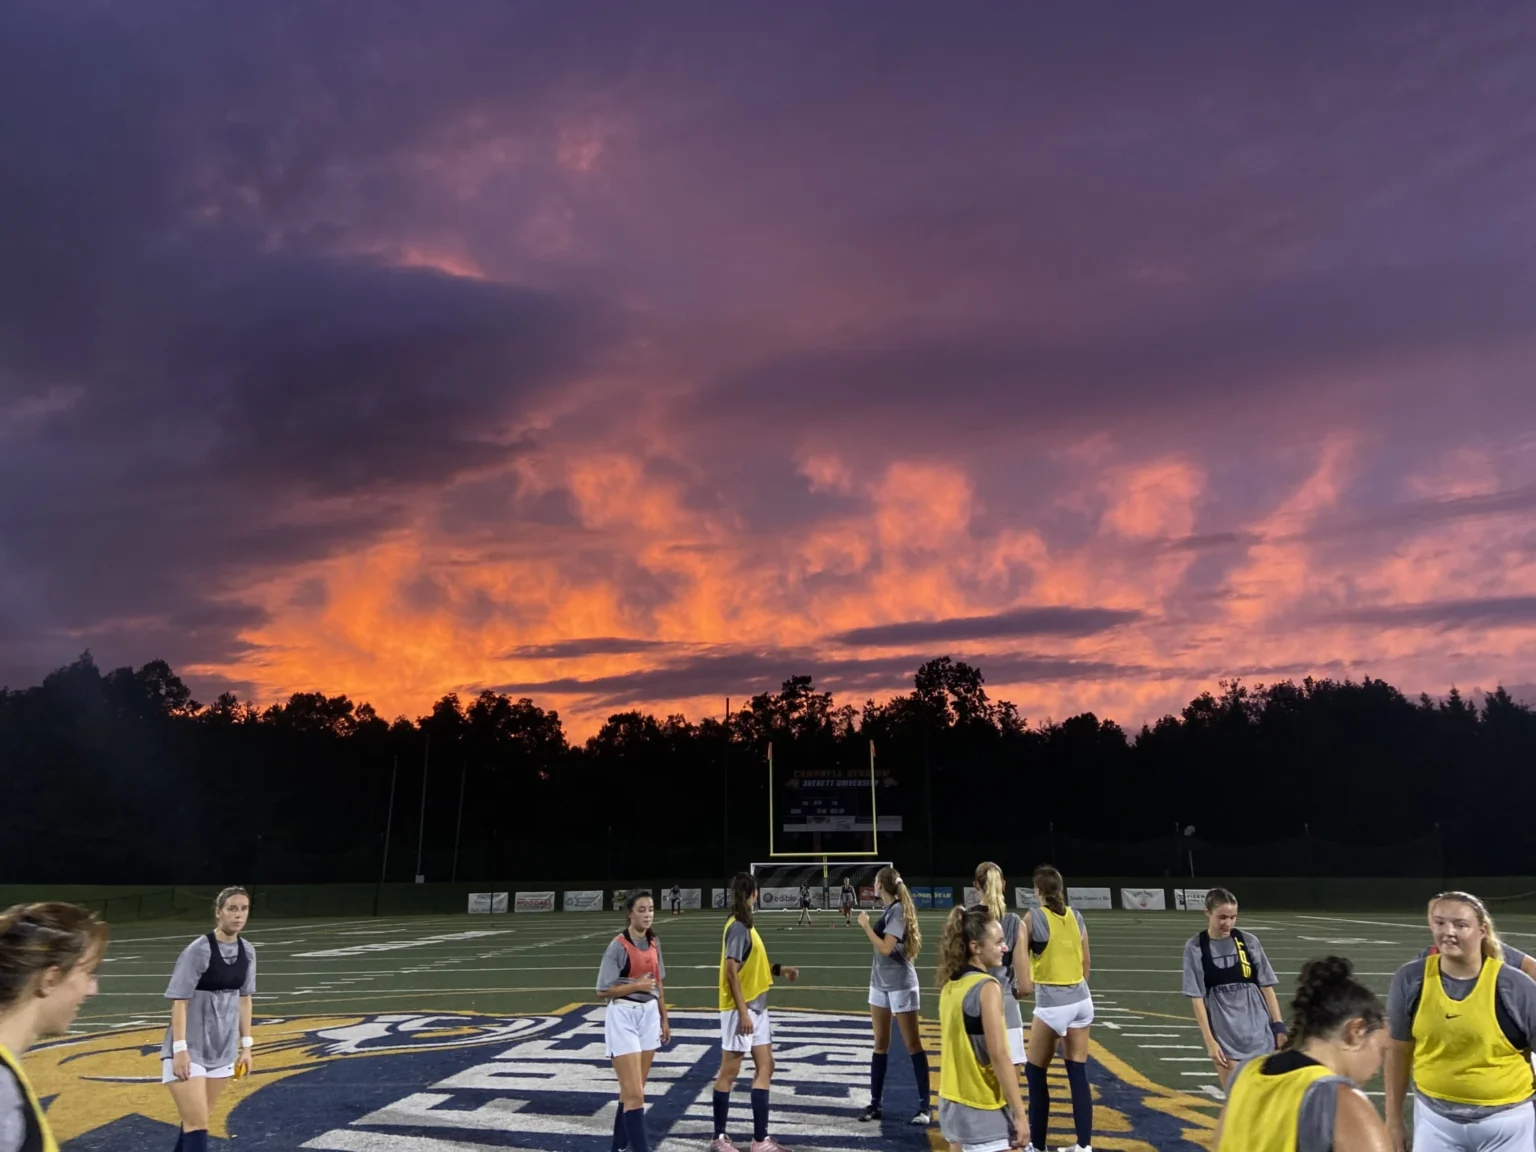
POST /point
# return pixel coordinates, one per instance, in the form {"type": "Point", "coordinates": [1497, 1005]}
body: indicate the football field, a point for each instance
{"type": "Point", "coordinates": [435, 1034]}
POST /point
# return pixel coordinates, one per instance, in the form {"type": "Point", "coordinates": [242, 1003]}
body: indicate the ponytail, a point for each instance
{"type": "Point", "coordinates": [963, 927]}
{"type": "Point", "coordinates": [1052, 889]}
{"type": "Point", "coordinates": [989, 886]}
{"type": "Point", "coordinates": [742, 888]}
{"type": "Point", "coordinates": [889, 881]}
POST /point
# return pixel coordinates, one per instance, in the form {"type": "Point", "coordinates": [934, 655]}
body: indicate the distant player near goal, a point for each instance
{"type": "Point", "coordinates": [847, 902]}
{"type": "Point", "coordinates": [805, 907]}
{"type": "Point", "coordinates": [675, 897]}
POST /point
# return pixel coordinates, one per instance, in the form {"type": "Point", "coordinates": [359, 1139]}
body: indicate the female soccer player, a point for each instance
{"type": "Point", "coordinates": [993, 891]}
{"type": "Point", "coordinates": [1462, 1021]}
{"type": "Point", "coordinates": [745, 977]}
{"type": "Point", "coordinates": [1512, 957]}
{"type": "Point", "coordinates": [48, 958]}
{"type": "Point", "coordinates": [849, 898]}
{"type": "Point", "coordinates": [635, 1025]}
{"type": "Point", "coordinates": [1304, 1099]}
{"type": "Point", "coordinates": [1232, 987]}
{"type": "Point", "coordinates": [805, 907]}
{"type": "Point", "coordinates": [975, 1103]}
{"type": "Point", "coordinates": [209, 1039]}
{"type": "Point", "coordinates": [1058, 976]}
{"type": "Point", "coordinates": [893, 990]}
{"type": "Point", "coordinates": [676, 896]}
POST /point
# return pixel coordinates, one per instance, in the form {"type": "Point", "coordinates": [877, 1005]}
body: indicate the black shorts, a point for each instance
{"type": "Point", "coordinates": [805, 905]}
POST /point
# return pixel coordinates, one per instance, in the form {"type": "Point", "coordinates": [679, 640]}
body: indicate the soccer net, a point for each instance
{"type": "Point", "coordinates": [779, 883]}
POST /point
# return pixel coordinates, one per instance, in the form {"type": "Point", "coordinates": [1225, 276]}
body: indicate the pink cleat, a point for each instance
{"type": "Point", "coordinates": [721, 1144]}
{"type": "Point", "coordinates": [768, 1145]}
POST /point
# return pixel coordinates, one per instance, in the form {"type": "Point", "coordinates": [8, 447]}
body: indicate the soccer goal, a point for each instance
{"type": "Point", "coordinates": [779, 882]}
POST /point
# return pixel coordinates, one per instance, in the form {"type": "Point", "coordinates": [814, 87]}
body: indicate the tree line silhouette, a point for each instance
{"type": "Point", "coordinates": [123, 777]}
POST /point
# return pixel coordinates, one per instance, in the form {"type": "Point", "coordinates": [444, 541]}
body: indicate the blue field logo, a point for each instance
{"type": "Point", "coordinates": [450, 1082]}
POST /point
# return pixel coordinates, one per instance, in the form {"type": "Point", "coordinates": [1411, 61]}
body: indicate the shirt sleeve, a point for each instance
{"type": "Point", "coordinates": [738, 943]}
{"type": "Point", "coordinates": [612, 965]}
{"type": "Point", "coordinates": [1039, 930]}
{"type": "Point", "coordinates": [1513, 956]}
{"type": "Point", "coordinates": [1266, 970]}
{"type": "Point", "coordinates": [1194, 972]}
{"type": "Point", "coordinates": [13, 1114]}
{"type": "Point", "coordinates": [661, 965]}
{"type": "Point", "coordinates": [1082, 928]}
{"type": "Point", "coordinates": [1403, 999]}
{"type": "Point", "coordinates": [1517, 992]}
{"type": "Point", "coordinates": [248, 987]}
{"type": "Point", "coordinates": [190, 966]}
{"type": "Point", "coordinates": [895, 922]}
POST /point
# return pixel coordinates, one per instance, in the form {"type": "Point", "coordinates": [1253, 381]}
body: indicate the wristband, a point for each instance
{"type": "Point", "coordinates": [178, 1047]}
{"type": "Point", "coordinates": [1277, 1027]}
{"type": "Point", "coordinates": [775, 969]}
{"type": "Point", "coordinates": [247, 1041]}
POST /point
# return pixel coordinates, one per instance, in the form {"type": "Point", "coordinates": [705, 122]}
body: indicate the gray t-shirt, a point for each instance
{"type": "Point", "coordinates": [13, 1112]}
{"type": "Point", "coordinates": [738, 946]}
{"type": "Point", "coordinates": [1053, 995]}
{"type": "Point", "coordinates": [1319, 1110]}
{"type": "Point", "coordinates": [1012, 1016]}
{"type": "Point", "coordinates": [1239, 1017]}
{"type": "Point", "coordinates": [893, 973]}
{"type": "Point", "coordinates": [1515, 1008]}
{"type": "Point", "coordinates": [615, 968]}
{"type": "Point", "coordinates": [961, 1123]}
{"type": "Point", "coordinates": [213, 1018]}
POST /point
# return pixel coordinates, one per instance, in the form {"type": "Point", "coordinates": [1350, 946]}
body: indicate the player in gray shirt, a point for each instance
{"type": "Point", "coordinates": [1464, 939]}
{"type": "Point", "coordinates": [893, 990]}
{"type": "Point", "coordinates": [1232, 985]}
{"type": "Point", "coordinates": [209, 1039]}
{"type": "Point", "coordinates": [992, 889]}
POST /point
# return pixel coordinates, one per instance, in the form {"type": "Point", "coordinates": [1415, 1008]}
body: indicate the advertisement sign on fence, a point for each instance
{"type": "Point", "coordinates": [784, 897]}
{"type": "Point", "coordinates": [535, 902]}
{"type": "Point", "coordinates": [1089, 899]}
{"type": "Point", "coordinates": [1143, 899]}
{"type": "Point", "coordinates": [585, 900]}
{"type": "Point", "coordinates": [1024, 897]}
{"type": "Point", "coordinates": [1190, 899]}
{"type": "Point", "coordinates": [692, 897]}
{"type": "Point", "coordinates": [484, 903]}
{"type": "Point", "coordinates": [925, 896]}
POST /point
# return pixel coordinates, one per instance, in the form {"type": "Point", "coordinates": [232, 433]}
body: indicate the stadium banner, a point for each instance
{"type": "Point", "coordinates": [485, 903]}
{"type": "Point", "coordinates": [1023, 897]}
{"type": "Point", "coordinates": [1089, 898]}
{"type": "Point", "coordinates": [720, 897]}
{"type": "Point", "coordinates": [535, 902]}
{"type": "Point", "coordinates": [1143, 899]}
{"type": "Point", "coordinates": [867, 897]}
{"type": "Point", "coordinates": [1190, 899]}
{"type": "Point", "coordinates": [584, 900]}
{"type": "Point", "coordinates": [972, 895]}
{"type": "Point", "coordinates": [781, 897]}
{"type": "Point", "coordinates": [693, 898]}
{"type": "Point", "coordinates": [926, 896]}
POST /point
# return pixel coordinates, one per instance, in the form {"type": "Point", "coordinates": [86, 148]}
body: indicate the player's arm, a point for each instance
{"type": "Point", "coordinates": [733, 982]}
{"type": "Point", "coordinates": [1082, 931]}
{"type": "Point", "coordinates": [884, 945]}
{"type": "Point", "coordinates": [1356, 1126]}
{"type": "Point", "coordinates": [1399, 1061]}
{"type": "Point", "coordinates": [995, 1029]}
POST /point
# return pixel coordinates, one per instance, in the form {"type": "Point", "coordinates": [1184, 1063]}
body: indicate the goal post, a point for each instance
{"type": "Point", "coordinates": [831, 810]}
{"type": "Point", "coordinates": [779, 882]}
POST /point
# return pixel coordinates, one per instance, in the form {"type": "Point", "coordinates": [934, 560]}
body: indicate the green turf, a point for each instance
{"type": "Point", "coordinates": [534, 963]}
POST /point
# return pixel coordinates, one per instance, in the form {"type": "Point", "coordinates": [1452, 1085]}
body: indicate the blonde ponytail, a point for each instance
{"type": "Point", "coordinates": [889, 881]}
{"type": "Point", "coordinates": [989, 884]}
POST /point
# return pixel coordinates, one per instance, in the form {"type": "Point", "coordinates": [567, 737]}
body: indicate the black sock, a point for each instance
{"type": "Point", "coordinates": [722, 1110]}
{"type": "Point", "coordinates": [634, 1123]}
{"type": "Point", "coordinates": [920, 1073]}
{"type": "Point", "coordinates": [1082, 1100]}
{"type": "Point", "coordinates": [759, 1114]}
{"type": "Point", "coordinates": [1039, 1104]}
{"type": "Point", "coordinates": [195, 1141]}
{"type": "Point", "coordinates": [620, 1133]}
{"type": "Point", "coordinates": [178, 1147]}
{"type": "Point", "coordinates": [877, 1063]}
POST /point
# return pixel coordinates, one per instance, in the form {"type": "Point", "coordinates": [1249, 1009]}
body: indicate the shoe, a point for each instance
{"type": "Point", "coordinates": [768, 1145]}
{"type": "Point", "coordinates": [721, 1144]}
{"type": "Point", "coordinates": [870, 1113]}
{"type": "Point", "coordinates": [921, 1118]}
{"type": "Point", "coordinates": [1077, 1148]}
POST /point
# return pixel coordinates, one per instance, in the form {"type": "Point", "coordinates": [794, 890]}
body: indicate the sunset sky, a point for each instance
{"type": "Point", "coordinates": [640, 355]}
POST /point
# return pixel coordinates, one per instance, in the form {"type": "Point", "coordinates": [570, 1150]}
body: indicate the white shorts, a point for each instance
{"type": "Point", "coordinates": [1016, 1045]}
{"type": "Point", "coordinates": [631, 1026]}
{"type": "Point", "coordinates": [904, 1000]}
{"type": "Point", "coordinates": [1512, 1129]}
{"type": "Point", "coordinates": [1066, 1017]}
{"type": "Point", "coordinates": [223, 1072]}
{"type": "Point", "coordinates": [733, 1041]}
